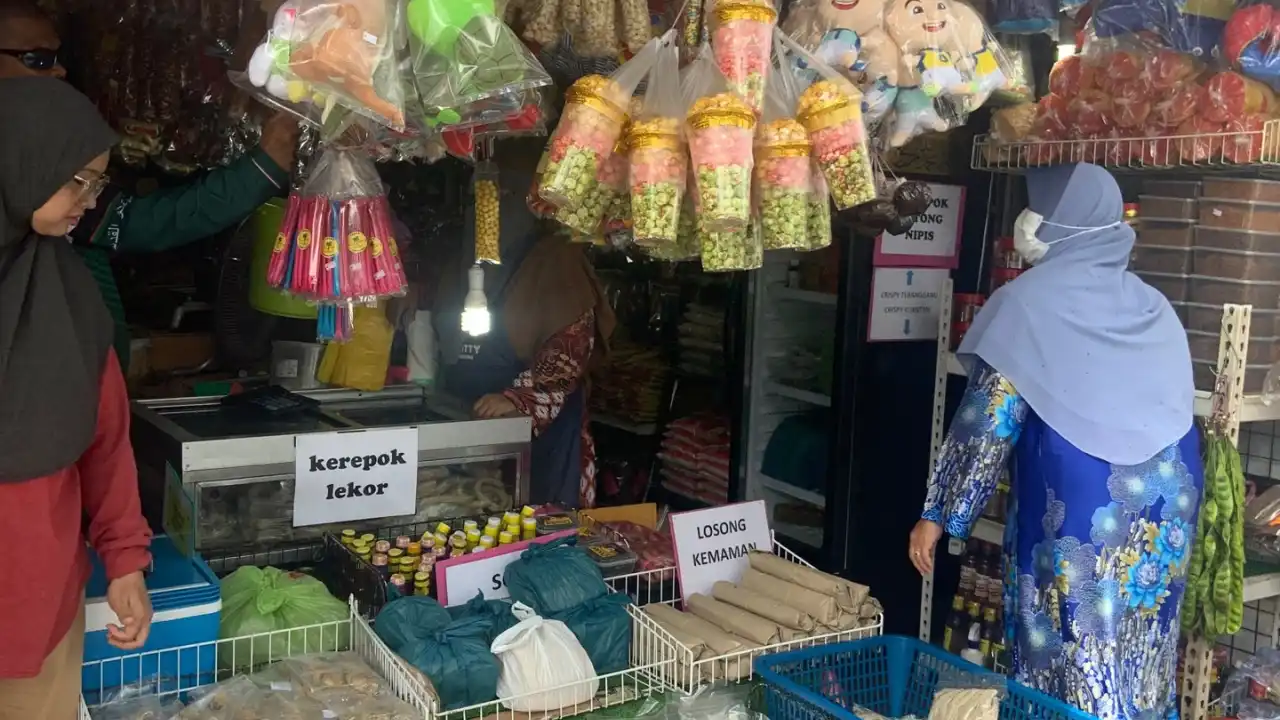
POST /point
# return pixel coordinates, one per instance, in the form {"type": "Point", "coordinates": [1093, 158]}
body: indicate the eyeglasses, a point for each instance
{"type": "Point", "coordinates": [91, 185]}
{"type": "Point", "coordinates": [38, 59]}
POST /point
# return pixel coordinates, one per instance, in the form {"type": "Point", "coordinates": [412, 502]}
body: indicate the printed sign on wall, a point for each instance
{"type": "Point", "coordinates": [934, 239]}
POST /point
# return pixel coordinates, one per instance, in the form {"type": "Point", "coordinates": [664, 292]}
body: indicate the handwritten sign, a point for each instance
{"type": "Point", "coordinates": [905, 303]}
{"type": "Point", "coordinates": [359, 475]}
{"type": "Point", "coordinates": [459, 579]}
{"type": "Point", "coordinates": [712, 544]}
{"type": "Point", "coordinates": [934, 239]}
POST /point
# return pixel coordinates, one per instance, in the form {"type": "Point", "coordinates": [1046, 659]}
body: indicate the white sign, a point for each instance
{"type": "Point", "coordinates": [356, 475]}
{"type": "Point", "coordinates": [905, 303]}
{"type": "Point", "coordinates": [934, 239]}
{"type": "Point", "coordinates": [459, 579]}
{"type": "Point", "coordinates": [712, 545]}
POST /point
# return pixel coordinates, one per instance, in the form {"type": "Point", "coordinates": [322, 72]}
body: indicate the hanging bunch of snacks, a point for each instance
{"type": "Point", "coordinates": [742, 40]}
{"type": "Point", "coordinates": [658, 160]}
{"type": "Point", "coordinates": [593, 28]}
{"type": "Point", "coordinates": [782, 183]}
{"type": "Point", "coordinates": [610, 184]}
{"type": "Point", "coordinates": [831, 112]}
{"type": "Point", "coordinates": [337, 245]}
{"type": "Point", "coordinates": [1214, 601]}
{"type": "Point", "coordinates": [719, 126]}
{"type": "Point", "coordinates": [484, 183]}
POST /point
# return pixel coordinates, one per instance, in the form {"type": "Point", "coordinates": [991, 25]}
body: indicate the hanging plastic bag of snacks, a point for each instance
{"type": "Point", "coordinates": [592, 121]}
{"type": "Point", "coordinates": [734, 250]}
{"type": "Point", "coordinates": [831, 112]}
{"type": "Point", "coordinates": [782, 169]}
{"type": "Point", "coordinates": [484, 184]}
{"type": "Point", "coordinates": [742, 38]}
{"type": "Point", "coordinates": [537, 206]}
{"type": "Point", "coordinates": [658, 164]}
{"type": "Point", "coordinates": [720, 126]}
{"type": "Point", "coordinates": [818, 226]}
{"type": "Point", "coordinates": [610, 184]}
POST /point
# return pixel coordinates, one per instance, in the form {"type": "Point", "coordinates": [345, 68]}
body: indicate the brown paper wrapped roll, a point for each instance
{"type": "Point", "coordinates": [764, 606]}
{"type": "Point", "coordinates": [740, 622]}
{"type": "Point", "coordinates": [822, 608]}
{"type": "Point", "coordinates": [849, 595]}
{"type": "Point", "coordinates": [717, 643]}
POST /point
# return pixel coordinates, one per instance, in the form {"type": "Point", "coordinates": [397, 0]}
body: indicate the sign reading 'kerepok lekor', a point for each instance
{"type": "Point", "coordinates": [358, 475]}
{"type": "Point", "coordinates": [712, 545]}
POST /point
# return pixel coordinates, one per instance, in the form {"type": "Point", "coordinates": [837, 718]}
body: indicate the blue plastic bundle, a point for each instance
{"type": "Point", "coordinates": [454, 654]}
{"type": "Point", "coordinates": [554, 577]}
{"type": "Point", "coordinates": [498, 611]}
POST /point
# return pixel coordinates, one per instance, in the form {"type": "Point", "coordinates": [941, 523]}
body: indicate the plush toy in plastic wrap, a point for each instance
{"type": "Point", "coordinates": [1193, 28]}
{"type": "Point", "coordinates": [850, 36]}
{"type": "Point", "coordinates": [1251, 43]}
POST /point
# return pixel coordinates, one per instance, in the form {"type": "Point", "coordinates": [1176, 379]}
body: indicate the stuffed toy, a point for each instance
{"type": "Point", "coordinates": [269, 66]}
{"type": "Point", "coordinates": [1251, 43]}
{"type": "Point", "coordinates": [981, 60]}
{"type": "Point", "coordinates": [849, 35]}
{"type": "Point", "coordinates": [924, 33]}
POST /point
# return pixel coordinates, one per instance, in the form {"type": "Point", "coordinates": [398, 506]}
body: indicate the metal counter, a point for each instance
{"type": "Point", "coordinates": [215, 449]}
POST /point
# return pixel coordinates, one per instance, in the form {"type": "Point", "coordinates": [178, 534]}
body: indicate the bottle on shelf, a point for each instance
{"type": "Point", "coordinates": [982, 578]}
{"type": "Point", "coordinates": [991, 638]}
{"type": "Point", "coordinates": [956, 631]}
{"type": "Point", "coordinates": [969, 570]}
{"type": "Point", "coordinates": [973, 639]}
{"type": "Point", "coordinates": [994, 575]}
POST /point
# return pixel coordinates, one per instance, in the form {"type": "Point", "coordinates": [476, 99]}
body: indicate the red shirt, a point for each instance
{"type": "Point", "coordinates": [44, 563]}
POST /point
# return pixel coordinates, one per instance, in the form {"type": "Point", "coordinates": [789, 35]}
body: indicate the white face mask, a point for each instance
{"type": "Point", "coordinates": [1031, 248]}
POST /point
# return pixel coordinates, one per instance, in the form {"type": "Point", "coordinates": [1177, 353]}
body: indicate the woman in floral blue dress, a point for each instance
{"type": "Point", "coordinates": [1081, 376]}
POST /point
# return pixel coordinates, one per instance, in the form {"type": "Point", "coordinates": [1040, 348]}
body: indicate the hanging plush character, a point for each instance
{"type": "Point", "coordinates": [924, 32]}
{"type": "Point", "coordinates": [980, 61]}
{"type": "Point", "coordinates": [849, 36]}
{"type": "Point", "coordinates": [345, 43]}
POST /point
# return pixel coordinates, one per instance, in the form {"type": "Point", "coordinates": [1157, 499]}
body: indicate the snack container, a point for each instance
{"type": "Point", "coordinates": [730, 251]}
{"type": "Point", "coordinates": [720, 136]}
{"type": "Point", "coordinates": [819, 221]}
{"type": "Point", "coordinates": [1187, 189]}
{"type": "Point", "coordinates": [657, 180]}
{"type": "Point", "coordinates": [1247, 240]}
{"type": "Point", "coordinates": [742, 38]}
{"type": "Point", "coordinates": [1238, 264]}
{"type": "Point", "coordinates": [782, 185]}
{"type": "Point", "coordinates": [1239, 214]}
{"type": "Point", "coordinates": [1204, 348]}
{"type": "Point", "coordinates": [1207, 318]}
{"type": "Point", "coordinates": [1172, 208]}
{"type": "Point", "coordinates": [1172, 286]}
{"type": "Point", "coordinates": [1242, 189]}
{"type": "Point", "coordinates": [1157, 259]}
{"type": "Point", "coordinates": [1254, 376]}
{"type": "Point", "coordinates": [589, 128]}
{"type": "Point", "coordinates": [1218, 291]}
{"type": "Point", "coordinates": [832, 114]}
{"type": "Point", "coordinates": [1163, 232]}
{"type": "Point", "coordinates": [610, 183]}
{"type": "Point", "coordinates": [611, 558]}
{"type": "Point", "coordinates": [548, 524]}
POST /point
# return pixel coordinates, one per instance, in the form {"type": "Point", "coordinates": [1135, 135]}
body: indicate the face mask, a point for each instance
{"type": "Point", "coordinates": [1031, 248]}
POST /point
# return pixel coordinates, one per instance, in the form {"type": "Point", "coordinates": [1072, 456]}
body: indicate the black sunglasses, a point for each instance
{"type": "Point", "coordinates": [34, 59]}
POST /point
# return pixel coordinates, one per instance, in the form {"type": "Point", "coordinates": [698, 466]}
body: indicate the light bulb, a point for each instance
{"type": "Point", "coordinates": [475, 309]}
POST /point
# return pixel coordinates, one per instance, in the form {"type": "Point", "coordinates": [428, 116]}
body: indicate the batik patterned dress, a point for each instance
{"type": "Point", "coordinates": [1096, 554]}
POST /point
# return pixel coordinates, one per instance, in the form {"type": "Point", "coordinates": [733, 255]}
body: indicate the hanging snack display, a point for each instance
{"type": "Point", "coordinates": [485, 185]}
{"type": "Point", "coordinates": [657, 179]}
{"type": "Point", "coordinates": [731, 250]}
{"type": "Point", "coordinates": [818, 224]}
{"type": "Point", "coordinates": [782, 182]}
{"type": "Point", "coordinates": [589, 128]}
{"type": "Point", "coordinates": [610, 184]}
{"type": "Point", "coordinates": [741, 38]}
{"type": "Point", "coordinates": [720, 135]}
{"type": "Point", "coordinates": [832, 114]}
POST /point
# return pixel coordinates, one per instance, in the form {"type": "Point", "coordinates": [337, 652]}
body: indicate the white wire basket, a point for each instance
{"type": "Point", "coordinates": [681, 668]}
{"type": "Point", "coordinates": [191, 666]}
{"type": "Point", "coordinates": [1247, 151]}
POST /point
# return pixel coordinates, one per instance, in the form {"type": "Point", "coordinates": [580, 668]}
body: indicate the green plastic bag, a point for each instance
{"type": "Point", "coordinates": [264, 600]}
{"type": "Point", "coordinates": [603, 626]}
{"type": "Point", "coordinates": [554, 577]}
{"type": "Point", "coordinates": [498, 611]}
{"type": "Point", "coordinates": [454, 654]}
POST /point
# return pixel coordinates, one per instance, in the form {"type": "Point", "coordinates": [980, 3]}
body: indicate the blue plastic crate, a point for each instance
{"type": "Point", "coordinates": [891, 675]}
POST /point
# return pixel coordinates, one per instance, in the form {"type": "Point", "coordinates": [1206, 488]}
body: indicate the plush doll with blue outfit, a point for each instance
{"type": "Point", "coordinates": [849, 35]}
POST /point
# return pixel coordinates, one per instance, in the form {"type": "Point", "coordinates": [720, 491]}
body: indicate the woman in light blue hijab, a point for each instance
{"type": "Point", "coordinates": [1080, 373]}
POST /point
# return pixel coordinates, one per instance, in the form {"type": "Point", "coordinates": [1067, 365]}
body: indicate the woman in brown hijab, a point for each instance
{"type": "Point", "coordinates": [549, 320]}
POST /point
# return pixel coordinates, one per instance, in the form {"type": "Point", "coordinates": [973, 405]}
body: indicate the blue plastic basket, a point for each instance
{"type": "Point", "coordinates": [891, 675]}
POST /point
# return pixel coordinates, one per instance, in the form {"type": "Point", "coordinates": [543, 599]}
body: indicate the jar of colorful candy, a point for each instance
{"type": "Point", "coordinates": [589, 127]}
{"type": "Point", "coordinates": [832, 113]}
{"type": "Point", "coordinates": [720, 134]}
{"type": "Point", "coordinates": [782, 181]}
{"type": "Point", "coordinates": [741, 41]}
{"type": "Point", "coordinates": [657, 179]}
{"type": "Point", "coordinates": [819, 226]}
{"type": "Point", "coordinates": [610, 183]}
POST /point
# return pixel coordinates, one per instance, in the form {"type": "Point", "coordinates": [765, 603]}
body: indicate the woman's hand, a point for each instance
{"type": "Point", "coordinates": [128, 599]}
{"type": "Point", "coordinates": [924, 538]}
{"type": "Point", "coordinates": [494, 405]}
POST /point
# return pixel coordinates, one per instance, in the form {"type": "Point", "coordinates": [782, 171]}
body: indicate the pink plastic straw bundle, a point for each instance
{"type": "Point", "coordinates": [277, 268]}
{"type": "Point", "coordinates": [388, 275]}
{"type": "Point", "coordinates": [358, 226]}
{"type": "Point", "coordinates": [312, 224]}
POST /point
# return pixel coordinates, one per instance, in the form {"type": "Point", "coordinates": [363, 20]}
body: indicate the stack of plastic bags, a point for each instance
{"type": "Point", "coordinates": [337, 246]}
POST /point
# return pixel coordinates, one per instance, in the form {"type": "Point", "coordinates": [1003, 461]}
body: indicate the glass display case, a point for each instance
{"type": "Point", "coordinates": [234, 466]}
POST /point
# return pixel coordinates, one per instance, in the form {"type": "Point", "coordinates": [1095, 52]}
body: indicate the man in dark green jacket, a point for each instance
{"type": "Point", "coordinates": [163, 219]}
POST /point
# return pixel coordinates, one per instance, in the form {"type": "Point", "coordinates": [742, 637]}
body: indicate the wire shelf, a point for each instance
{"type": "Point", "coordinates": [687, 671]}
{"type": "Point", "coordinates": [1251, 151]}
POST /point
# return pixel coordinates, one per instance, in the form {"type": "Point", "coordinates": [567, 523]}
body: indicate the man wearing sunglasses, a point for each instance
{"type": "Point", "coordinates": [164, 219]}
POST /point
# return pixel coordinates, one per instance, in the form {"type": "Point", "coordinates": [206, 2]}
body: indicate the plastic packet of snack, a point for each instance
{"type": "Point", "coordinates": [720, 127]}
{"type": "Point", "coordinates": [782, 166]}
{"type": "Point", "coordinates": [484, 184]}
{"type": "Point", "coordinates": [742, 41]}
{"type": "Point", "coordinates": [331, 677]}
{"type": "Point", "coordinates": [657, 152]}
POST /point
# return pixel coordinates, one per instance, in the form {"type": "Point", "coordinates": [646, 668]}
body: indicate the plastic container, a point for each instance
{"type": "Point", "coordinates": [1239, 214]}
{"type": "Point", "coordinates": [293, 364]}
{"type": "Point", "coordinates": [1218, 291]}
{"type": "Point", "coordinates": [1254, 376]}
{"type": "Point", "coordinates": [1206, 317]}
{"type": "Point", "coordinates": [611, 558]}
{"type": "Point", "coordinates": [1163, 232]}
{"type": "Point", "coordinates": [1174, 287]}
{"type": "Point", "coordinates": [891, 675]}
{"type": "Point", "coordinates": [1187, 189]}
{"type": "Point", "coordinates": [1159, 259]}
{"type": "Point", "coordinates": [1238, 264]}
{"type": "Point", "coordinates": [1172, 208]}
{"type": "Point", "coordinates": [1242, 189]}
{"type": "Point", "coordinates": [1204, 348]}
{"type": "Point", "coordinates": [1251, 240]}
{"type": "Point", "coordinates": [548, 524]}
